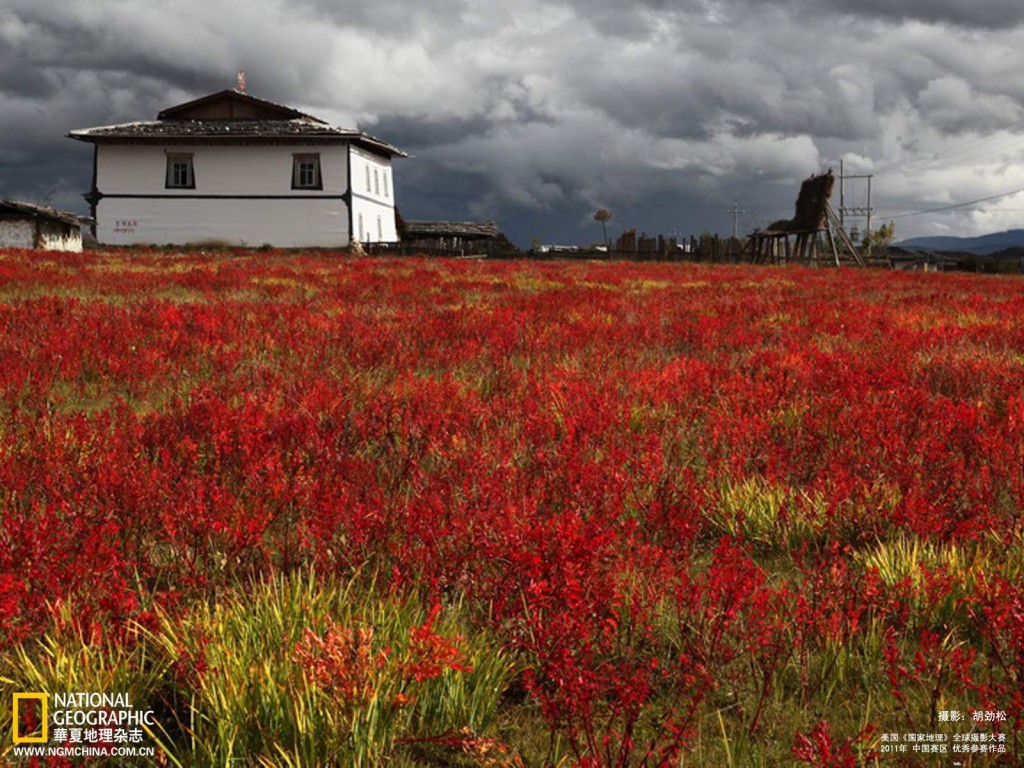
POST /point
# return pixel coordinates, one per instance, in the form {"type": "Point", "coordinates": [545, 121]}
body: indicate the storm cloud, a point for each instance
{"type": "Point", "coordinates": [536, 113]}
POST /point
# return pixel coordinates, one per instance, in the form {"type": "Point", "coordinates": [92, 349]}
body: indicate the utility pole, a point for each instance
{"type": "Point", "coordinates": [735, 211]}
{"type": "Point", "coordinates": [854, 210]}
{"type": "Point", "coordinates": [842, 197]}
{"type": "Point", "coordinates": [870, 209]}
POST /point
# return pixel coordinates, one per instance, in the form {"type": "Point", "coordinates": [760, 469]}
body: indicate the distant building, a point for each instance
{"type": "Point", "coordinates": [233, 169]}
{"type": "Point", "coordinates": [25, 225]}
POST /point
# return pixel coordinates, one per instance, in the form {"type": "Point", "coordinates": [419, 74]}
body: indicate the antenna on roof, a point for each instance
{"type": "Point", "coordinates": [241, 80]}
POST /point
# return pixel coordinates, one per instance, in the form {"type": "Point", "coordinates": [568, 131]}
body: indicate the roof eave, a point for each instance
{"type": "Point", "coordinates": [189, 138]}
{"type": "Point", "coordinates": [365, 140]}
{"type": "Point", "coordinates": [31, 210]}
{"type": "Point", "coordinates": [378, 146]}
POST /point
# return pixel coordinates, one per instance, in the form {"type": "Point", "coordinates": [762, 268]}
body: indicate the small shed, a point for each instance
{"type": "Point", "coordinates": [462, 237]}
{"type": "Point", "coordinates": [26, 225]}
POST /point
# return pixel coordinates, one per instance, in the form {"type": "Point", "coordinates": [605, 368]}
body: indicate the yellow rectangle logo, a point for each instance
{"type": "Point", "coordinates": [41, 737]}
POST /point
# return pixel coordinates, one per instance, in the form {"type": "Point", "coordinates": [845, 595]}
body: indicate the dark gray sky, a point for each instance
{"type": "Point", "coordinates": [536, 113]}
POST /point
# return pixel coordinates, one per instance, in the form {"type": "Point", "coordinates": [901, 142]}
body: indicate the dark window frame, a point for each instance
{"type": "Point", "coordinates": [300, 163]}
{"type": "Point", "coordinates": [175, 161]}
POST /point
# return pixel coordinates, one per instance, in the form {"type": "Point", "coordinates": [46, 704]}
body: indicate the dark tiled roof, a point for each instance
{"type": "Point", "coordinates": [232, 116]}
{"type": "Point", "coordinates": [16, 208]}
{"type": "Point", "coordinates": [232, 130]}
{"type": "Point", "coordinates": [414, 229]}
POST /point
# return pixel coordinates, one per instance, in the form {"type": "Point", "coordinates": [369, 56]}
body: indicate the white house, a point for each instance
{"type": "Point", "coordinates": [25, 225]}
{"type": "Point", "coordinates": [233, 169]}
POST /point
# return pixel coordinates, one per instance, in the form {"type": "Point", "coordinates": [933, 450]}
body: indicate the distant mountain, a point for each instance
{"type": "Point", "coordinates": [982, 246]}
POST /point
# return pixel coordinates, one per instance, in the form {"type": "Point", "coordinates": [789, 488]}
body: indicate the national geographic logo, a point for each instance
{"type": "Point", "coordinates": [21, 704]}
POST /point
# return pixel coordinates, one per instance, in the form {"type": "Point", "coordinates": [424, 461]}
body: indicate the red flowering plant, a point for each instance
{"type": "Point", "coordinates": [671, 491]}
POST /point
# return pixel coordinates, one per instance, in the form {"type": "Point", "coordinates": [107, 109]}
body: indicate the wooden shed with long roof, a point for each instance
{"type": "Point", "coordinates": [469, 238]}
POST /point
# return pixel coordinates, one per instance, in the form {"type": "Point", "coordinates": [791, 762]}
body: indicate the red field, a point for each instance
{"type": "Point", "coordinates": [703, 515]}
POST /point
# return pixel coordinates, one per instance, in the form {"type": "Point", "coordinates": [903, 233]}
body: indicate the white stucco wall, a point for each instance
{"type": "Point", "coordinates": [378, 221]}
{"type": "Point", "coordinates": [226, 206]}
{"type": "Point", "coordinates": [237, 222]}
{"type": "Point", "coordinates": [373, 198]}
{"type": "Point", "coordinates": [55, 236]}
{"type": "Point", "coordinates": [229, 203]}
{"type": "Point", "coordinates": [17, 233]}
{"type": "Point", "coordinates": [139, 169]}
{"type": "Point", "coordinates": [375, 185]}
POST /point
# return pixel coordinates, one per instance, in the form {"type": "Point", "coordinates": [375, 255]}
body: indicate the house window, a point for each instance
{"type": "Point", "coordinates": [376, 181]}
{"type": "Point", "coordinates": [306, 172]}
{"type": "Point", "coordinates": [380, 229]}
{"type": "Point", "coordinates": [361, 237]}
{"type": "Point", "coordinates": [179, 172]}
{"type": "Point", "coordinates": [386, 192]}
{"type": "Point", "coordinates": [367, 178]}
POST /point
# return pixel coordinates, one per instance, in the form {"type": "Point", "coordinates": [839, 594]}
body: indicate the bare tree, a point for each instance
{"type": "Point", "coordinates": [603, 215]}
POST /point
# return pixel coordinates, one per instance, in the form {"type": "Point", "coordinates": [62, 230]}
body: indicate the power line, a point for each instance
{"type": "Point", "coordinates": [968, 146]}
{"type": "Point", "coordinates": [976, 153]}
{"type": "Point", "coordinates": [956, 205]}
